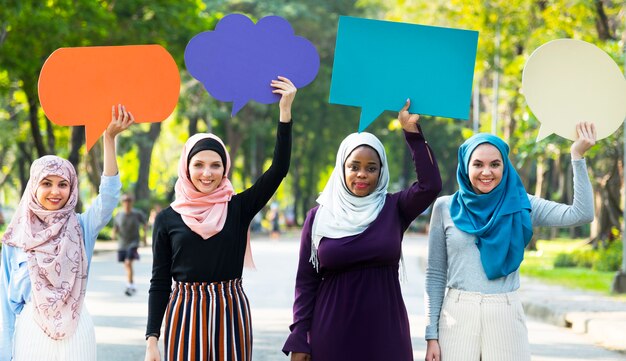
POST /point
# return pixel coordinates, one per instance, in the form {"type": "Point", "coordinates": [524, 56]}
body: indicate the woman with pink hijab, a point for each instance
{"type": "Point", "coordinates": [46, 253]}
{"type": "Point", "coordinates": [202, 243]}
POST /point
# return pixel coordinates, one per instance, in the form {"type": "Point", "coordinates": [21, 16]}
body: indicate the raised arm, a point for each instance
{"type": "Point", "coordinates": [581, 211]}
{"type": "Point", "coordinates": [264, 187]}
{"type": "Point", "coordinates": [414, 200]}
{"type": "Point", "coordinates": [101, 209]}
{"type": "Point", "coordinates": [119, 122]}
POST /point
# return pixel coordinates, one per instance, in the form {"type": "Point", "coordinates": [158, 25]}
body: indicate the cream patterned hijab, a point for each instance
{"type": "Point", "coordinates": [53, 241]}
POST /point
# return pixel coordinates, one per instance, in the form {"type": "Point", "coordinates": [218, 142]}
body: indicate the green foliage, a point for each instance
{"type": "Point", "coordinates": [541, 264]}
{"type": "Point", "coordinates": [604, 259]}
{"type": "Point", "coordinates": [610, 258]}
{"type": "Point", "coordinates": [106, 233]}
{"type": "Point", "coordinates": [34, 29]}
{"type": "Point", "coordinates": [564, 260]}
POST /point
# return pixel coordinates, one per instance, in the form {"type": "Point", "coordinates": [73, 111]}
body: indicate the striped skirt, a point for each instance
{"type": "Point", "coordinates": [208, 321]}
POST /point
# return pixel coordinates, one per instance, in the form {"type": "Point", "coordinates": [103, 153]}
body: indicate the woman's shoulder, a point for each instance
{"type": "Point", "coordinates": [443, 201]}
{"type": "Point", "coordinates": [311, 213]}
{"type": "Point", "coordinates": [165, 214]}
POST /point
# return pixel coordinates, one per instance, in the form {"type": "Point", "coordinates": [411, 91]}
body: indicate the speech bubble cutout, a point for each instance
{"type": "Point", "coordinates": [78, 86]}
{"type": "Point", "coordinates": [238, 60]}
{"type": "Point", "coordinates": [568, 81]}
{"type": "Point", "coordinates": [379, 64]}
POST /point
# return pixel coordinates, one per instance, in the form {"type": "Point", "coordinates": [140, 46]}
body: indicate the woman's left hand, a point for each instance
{"type": "Point", "coordinates": [585, 139]}
{"type": "Point", "coordinates": [408, 120]}
{"type": "Point", "coordinates": [287, 90]}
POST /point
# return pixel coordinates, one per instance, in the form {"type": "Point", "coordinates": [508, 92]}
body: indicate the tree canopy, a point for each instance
{"type": "Point", "coordinates": [509, 31]}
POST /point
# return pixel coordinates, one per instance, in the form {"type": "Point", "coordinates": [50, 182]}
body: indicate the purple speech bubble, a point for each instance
{"type": "Point", "coordinates": [238, 60]}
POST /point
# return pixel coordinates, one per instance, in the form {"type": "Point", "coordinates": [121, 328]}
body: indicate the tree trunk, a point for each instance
{"type": "Point", "coordinates": [94, 166]}
{"type": "Point", "coordinates": [24, 160]}
{"type": "Point", "coordinates": [297, 192]}
{"type": "Point", "coordinates": [77, 140]}
{"type": "Point", "coordinates": [193, 125]}
{"type": "Point", "coordinates": [50, 136]}
{"type": "Point", "coordinates": [146, 143]}
{"type": "Point", "coordinates": [608, 204]}
{"type": "Point", "coordinates": [602, 22]}
{"type": "Point", "coordinates": [33, 119]}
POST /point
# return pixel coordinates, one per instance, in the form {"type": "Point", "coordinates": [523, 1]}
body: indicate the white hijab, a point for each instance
{"type": "Point", "coordinates": [341, 213]}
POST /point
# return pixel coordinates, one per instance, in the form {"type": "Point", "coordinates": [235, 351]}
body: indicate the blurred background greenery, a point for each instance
{"type": "Point", "coordinates": [509, 32]}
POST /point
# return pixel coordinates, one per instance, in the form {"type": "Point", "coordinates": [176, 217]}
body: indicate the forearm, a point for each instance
{"type": "Point", "coordinates": [414, 200]}
{"type": "Point", "coordinates": [581, 211]}
{"type": "Point", "coordinates": [110, 160]}
{"type": "Point", "coordinates": [436, 270]}
{"type": "Point", "coordinates": [157, 304]}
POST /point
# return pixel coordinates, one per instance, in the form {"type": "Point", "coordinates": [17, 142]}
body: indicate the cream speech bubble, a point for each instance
{"type": "Point", "coordinates": [568, 81]}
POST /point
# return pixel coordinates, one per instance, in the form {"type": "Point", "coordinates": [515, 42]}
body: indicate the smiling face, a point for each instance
{"type": "Point", "coordinates": [206, 171]}
{"type": "Point", "coordinates": [53, 192]}
{"type": "Point", "coordinates": [362, 170]}
{"type": "Point", "coordinates": [485, 168]}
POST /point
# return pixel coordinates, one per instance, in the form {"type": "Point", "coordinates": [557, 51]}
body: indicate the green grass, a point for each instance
{"type": "Point", "coordinates": [539, 264]}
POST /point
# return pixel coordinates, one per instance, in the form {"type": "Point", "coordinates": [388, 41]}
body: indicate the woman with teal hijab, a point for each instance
{"type": "Point", "coordinates": [500, 219]}
{"type": "Point", "coordinates": [476, 245]}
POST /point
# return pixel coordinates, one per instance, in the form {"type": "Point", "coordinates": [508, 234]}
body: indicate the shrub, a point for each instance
{"type": "Point", "coordinates": [584, 257]}
{"type": "Point", "coordinates": [564, 260]}
{"type": "Point", "coordinates": [610, 258]}
{"type": "Point", "coordinates": [105, 233]}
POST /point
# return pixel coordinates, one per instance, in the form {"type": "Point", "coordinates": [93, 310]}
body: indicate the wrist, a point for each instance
{"type": "Point", "coordinates": [109, 137]}
{"type": "Point", "coordinates": [285, 117]}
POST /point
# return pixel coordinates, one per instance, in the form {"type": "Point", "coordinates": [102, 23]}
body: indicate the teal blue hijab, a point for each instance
{"type": "Point", "coordinates": [500, 219]}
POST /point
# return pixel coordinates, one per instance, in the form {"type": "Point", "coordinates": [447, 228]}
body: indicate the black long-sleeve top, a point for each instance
{"type": "Point", "coordinates": [181, 254]}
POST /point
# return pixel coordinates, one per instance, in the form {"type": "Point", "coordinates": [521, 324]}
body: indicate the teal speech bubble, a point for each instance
{"type": "Point", "coordinates": [379, 64]}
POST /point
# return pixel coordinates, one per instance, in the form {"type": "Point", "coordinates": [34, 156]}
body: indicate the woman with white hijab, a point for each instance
{"type": "Point", "coordinates": [348, 304]}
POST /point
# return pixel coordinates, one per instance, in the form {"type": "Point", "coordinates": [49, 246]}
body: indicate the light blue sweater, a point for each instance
{"type": "Point", "coordinates": [454, 259]}
{"type": "Point", "coordinates": [15, 284]}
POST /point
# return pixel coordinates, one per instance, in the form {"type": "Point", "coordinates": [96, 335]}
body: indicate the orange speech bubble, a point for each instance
{"type": "Point", "coordinates": [78, 86]}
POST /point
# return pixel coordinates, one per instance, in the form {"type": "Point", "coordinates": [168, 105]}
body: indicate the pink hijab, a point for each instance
{"type": "Point", "coordinates": [53, 240]}
{"type": "Point", "coordinates": [205, 214]}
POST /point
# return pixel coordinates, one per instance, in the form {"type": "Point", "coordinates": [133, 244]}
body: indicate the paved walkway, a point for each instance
{"type": "Point", "coordinates": [120, 320]}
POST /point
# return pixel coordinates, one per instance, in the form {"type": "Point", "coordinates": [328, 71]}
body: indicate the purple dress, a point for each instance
{"type": "Point", "coordinates": [353, 308]}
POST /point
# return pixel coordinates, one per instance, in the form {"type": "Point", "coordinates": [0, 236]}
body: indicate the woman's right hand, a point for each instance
{"type": "Point", "coordinates": [433, 352]}
{"type": "Point", "coordinates": [585, 138]}
{"type": "Point", "coordinates": [287, 91]}
{"type": "Point", "coordinates": [152, 349]}
{"type": "Point", "coordinates": [299, 356]}
{"type": "Point", "coordinates": [408, 120]}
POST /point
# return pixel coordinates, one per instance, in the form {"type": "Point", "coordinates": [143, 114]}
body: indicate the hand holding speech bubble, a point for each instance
{"type": "Point", "coordinates": [78, 86]}
{"type": "Point", "coordinates": [567, 81]}
{"type": "Point", "coordinates": [379, 64]}
{"type": "Point", "coordinates": [238, 60]}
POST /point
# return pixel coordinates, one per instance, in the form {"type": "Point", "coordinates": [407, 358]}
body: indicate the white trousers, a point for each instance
{"type": "Point", "coordinates": [31, 343]}
{"type": "Point", "coordinates": [486, 327]}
